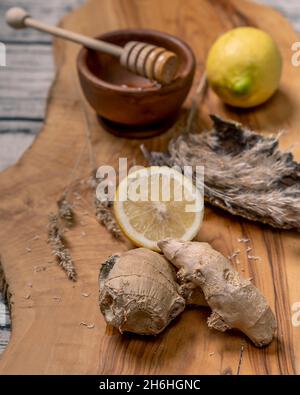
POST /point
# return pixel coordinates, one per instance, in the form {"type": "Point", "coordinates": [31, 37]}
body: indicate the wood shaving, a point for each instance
{"type": "Point", "coordinates": [36, 237]}
{"type": "Point", "coordinates": [244, 240]}
{"type": "Point", "coordinates": [28, 249]}
{"type": "Point", "coordinates": [234, 255]}
{"type": "Point", "coordinates": [240, 361]}
{"type": "Point", "coordinates": [85, 295]}
{"type": "Point", "coordinates": [27, 296]}
{"type": "Point", "coordinates": [254, 258]}
{"type": "Point", "coordinates": [39, 268]}
{"type": "Point", "coordinates": [89, 326]}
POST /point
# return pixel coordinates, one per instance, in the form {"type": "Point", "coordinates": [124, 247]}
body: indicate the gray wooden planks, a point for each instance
{"type": "Point", "coordinates": [4, 325]}
{"type": "Point", "coordinates": [289, 8]}
{"type": "Point", "coordinates": [50, 11]}
{"type": "Point", "coordinates": [25, 81]}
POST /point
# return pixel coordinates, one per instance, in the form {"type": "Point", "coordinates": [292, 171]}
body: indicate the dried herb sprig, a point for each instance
{"type": "Point", "coordinates": [65, 211]}
{"type": "Point", "coordinates": [105, 217]}
{"type": "Point", "coordinates": [59, 249]}
{"type": "Point", "coordinates": [103, 210]}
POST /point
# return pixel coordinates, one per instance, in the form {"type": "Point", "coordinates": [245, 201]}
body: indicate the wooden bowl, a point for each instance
{"type": "Point", "coordinates": [127, 104]}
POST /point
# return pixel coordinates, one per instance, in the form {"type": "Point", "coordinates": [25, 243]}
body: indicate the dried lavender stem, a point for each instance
{"type": "Point", "coordinates": [65, 211]}
{"type": "Point", "coordinates": [105, 217]}
{"type": "Point", "coordinates": [58, 247]}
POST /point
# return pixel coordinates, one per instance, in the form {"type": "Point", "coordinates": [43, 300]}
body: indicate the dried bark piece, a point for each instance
{"type": "Point", "coordinates": [138, 292]}
{"type": "Point", "coordinates": [245, 173]}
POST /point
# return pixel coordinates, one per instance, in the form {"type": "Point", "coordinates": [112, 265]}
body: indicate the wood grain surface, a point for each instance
{"type": "Point", "coordinates": [47, 309]}
{"type": "Point", "coordinates": [24, 85]}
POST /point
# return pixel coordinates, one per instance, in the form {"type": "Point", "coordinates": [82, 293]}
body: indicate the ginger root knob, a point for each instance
{"type": "Point", "coordinates": [235, 302]}
{"type": "Point", "coordinates": [138, 292]}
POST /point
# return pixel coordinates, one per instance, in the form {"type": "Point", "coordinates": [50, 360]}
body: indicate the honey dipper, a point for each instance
{"type": "Point", "coordinates": [150, 61]}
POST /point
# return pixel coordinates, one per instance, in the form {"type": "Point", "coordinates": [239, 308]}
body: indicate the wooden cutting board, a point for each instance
{"type": "Point", "coordinates": [47, 308]}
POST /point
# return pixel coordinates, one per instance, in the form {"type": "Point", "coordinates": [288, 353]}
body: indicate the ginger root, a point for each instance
{"type": "Point", "coordinates": [235, 302]}
{"type": "Point", "coordinates": [192, 294]}
{"type": "Point", "coordinates": [138, 292]}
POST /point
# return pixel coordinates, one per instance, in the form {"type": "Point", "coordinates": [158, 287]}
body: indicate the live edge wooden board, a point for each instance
{"type": "Point", "coordinates": [47, 308]}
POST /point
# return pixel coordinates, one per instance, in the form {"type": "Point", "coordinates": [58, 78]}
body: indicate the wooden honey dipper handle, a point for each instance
{"type": "Point", "coordinates": [150, 61]}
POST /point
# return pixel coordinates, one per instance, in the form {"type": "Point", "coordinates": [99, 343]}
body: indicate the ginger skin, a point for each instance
{"type": "Point", "coordinates": [235, 302]}
{"type": "Point", "coordinates": [139, 292]}
{"type": "Point", "coordinates": [192, 294]}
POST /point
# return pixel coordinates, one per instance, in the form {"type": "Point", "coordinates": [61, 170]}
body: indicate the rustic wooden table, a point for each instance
{"type": "Point", "coordinates": [24, 85]}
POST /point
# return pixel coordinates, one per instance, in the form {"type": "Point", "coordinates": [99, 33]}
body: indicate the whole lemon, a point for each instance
{"type": "Point", "coordinates": [244, 67]}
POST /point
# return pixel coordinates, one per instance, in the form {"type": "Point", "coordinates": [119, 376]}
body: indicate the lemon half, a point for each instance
{"type": "Point", "coordinates": [158, 202]}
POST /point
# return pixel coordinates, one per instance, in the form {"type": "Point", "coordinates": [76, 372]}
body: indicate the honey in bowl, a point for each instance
{"type": "Point", "coordinates": [109, 69]}
{"type": "Point", "coordinates": [127, 104]}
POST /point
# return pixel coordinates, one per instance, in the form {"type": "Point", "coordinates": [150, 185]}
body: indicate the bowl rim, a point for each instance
{"type": "Point", "coordinates": [174, 85]}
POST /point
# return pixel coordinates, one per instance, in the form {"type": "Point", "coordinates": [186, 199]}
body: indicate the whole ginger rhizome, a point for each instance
{"type": "Point", "coordinates": [140, 292]}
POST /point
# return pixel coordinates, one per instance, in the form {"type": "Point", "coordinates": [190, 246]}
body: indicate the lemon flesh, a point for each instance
{"type": "Point", "coordinates": [244, 67]}
{"type": "Point", "coordinates": [167, 208]}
